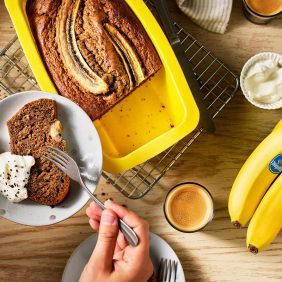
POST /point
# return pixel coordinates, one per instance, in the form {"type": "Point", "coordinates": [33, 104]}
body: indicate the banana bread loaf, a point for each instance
{"type": "Point", "coordinates": [31, 129]}
{"type": "Point", "coordinates": [96, 51]}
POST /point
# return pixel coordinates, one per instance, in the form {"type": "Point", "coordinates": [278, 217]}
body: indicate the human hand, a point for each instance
{"type": "Point", "coordinates": [113, 259]}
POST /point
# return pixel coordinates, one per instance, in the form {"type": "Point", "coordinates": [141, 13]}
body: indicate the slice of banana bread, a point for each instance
{"type": "Point", "coordinates": [31, 129]}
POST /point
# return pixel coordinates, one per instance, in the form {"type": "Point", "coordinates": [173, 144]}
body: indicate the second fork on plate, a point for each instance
{"type": "Point", "coordinates": [167, 270]}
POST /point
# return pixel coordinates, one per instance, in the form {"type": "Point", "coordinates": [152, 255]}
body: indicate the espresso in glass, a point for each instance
{"type": "Point", "coordinates": [188, 207]}
{"type": "Point", "coordinates": [262, 11]}
{"type": "Point", "coordinates": [265, 7]}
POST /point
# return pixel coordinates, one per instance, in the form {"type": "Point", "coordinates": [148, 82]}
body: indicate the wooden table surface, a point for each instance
{"type": "Point", "coordinates": [216, 254]}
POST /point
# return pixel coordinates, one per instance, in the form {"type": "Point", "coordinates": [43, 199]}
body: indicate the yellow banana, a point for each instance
{"type": "Point", "coordinates": [267, 220]}
{"type": "Point", "coordinates": [255, 177]}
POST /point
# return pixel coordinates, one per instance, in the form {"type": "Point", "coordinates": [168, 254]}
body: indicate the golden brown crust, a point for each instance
{"type": "Point", "coordinates": [96, 47]}
{"type": "Point", "coordinates": [29, 131]}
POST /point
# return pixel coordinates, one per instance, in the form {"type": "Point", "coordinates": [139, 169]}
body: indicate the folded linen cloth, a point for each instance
{"type": "Point", "coordinates": [212, 15]}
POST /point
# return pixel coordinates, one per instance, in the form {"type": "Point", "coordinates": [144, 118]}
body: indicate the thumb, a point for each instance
{"type": "Point", "coordinates": [102, 257]}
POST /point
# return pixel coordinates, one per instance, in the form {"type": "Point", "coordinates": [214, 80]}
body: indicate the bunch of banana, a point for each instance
{"type": "Point", "coordinates": [259, 172]}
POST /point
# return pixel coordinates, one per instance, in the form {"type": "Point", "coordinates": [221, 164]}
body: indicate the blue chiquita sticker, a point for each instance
{"type": "Point", "coordinates": [275, 166]}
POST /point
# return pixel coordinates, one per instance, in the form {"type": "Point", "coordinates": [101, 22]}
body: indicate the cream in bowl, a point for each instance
{"type": "Point", "coordinates": [261, 80]}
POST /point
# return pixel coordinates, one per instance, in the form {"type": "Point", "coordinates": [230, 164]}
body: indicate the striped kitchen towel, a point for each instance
{"type": "Point", "coordinates": [212, 15]}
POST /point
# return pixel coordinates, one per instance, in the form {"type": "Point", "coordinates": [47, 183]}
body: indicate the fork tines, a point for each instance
{"type": "Point", "coordinates": [167, 270]}
{"type": "Point", "coordinates": [57, 157]}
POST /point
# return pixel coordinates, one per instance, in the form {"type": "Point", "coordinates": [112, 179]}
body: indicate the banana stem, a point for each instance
{"type": "Point", "coordinates": [253, 249]}
{"type": "Point", "coordinates": [237, 224]}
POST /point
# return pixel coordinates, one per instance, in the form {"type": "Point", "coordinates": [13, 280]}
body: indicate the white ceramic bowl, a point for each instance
{"type": "Point", "coordinates": [83, 145]}
{"type": "Point", "coordinates": [253, 60]}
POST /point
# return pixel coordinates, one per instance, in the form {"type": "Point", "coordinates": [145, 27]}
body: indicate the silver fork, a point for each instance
{"type": "Point", "coordinates": [68, 165]}
{"type": "Point", "coordinates": [167, 270]}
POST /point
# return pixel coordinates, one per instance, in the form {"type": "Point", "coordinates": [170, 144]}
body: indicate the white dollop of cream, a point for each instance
{"type": "Point", "coordinates": [14, 175]}
{"type": "Point", "coordinates": [264, 81]}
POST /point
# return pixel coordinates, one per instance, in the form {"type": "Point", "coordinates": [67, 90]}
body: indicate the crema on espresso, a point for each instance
{"type": "Point", "coordinates": [189, 207]}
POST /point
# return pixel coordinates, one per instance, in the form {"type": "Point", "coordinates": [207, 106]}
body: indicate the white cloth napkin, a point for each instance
{"type": "Point", "coordinates": [212, 15]}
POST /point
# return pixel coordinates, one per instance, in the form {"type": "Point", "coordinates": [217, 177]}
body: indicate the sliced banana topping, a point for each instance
{"type": "Point", "coordinates": [130, 57]}
{"type": "Point", "coordinates": [71, 56]}
{"type": "Point", "coordinates": [125, 63]}
{"type": "Point", "coordinates": [74, 60]}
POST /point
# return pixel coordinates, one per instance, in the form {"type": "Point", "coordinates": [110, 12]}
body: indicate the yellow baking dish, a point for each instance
{"type": "Point", "coordinates": [155, 116]}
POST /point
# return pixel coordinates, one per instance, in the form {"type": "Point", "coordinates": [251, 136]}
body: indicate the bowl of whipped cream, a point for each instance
{"type": "Point", "coordinates": [261, 80]}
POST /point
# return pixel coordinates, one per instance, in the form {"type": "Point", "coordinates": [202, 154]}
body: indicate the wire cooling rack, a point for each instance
{"type": "Point", "coordinates": [218, 86]}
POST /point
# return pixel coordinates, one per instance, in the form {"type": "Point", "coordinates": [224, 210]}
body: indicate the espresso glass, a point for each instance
{"type": "Point", "coordinates": [257, 18]}
{"type": "Point", "coordinates": [197, 186]}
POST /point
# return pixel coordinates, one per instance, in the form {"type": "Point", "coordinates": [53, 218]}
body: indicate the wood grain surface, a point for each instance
{"type": "Point", "coordinates": [216, 254]}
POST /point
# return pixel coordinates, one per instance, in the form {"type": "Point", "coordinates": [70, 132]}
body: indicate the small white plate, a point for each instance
{"type": "Point", "coordinates": [79, 258]}
{"type": "Point", "coordinates": [83, 145]}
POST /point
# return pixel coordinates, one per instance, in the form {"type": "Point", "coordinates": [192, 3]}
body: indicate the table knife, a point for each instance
{"type": "Point", "coordinates": [162, 10]}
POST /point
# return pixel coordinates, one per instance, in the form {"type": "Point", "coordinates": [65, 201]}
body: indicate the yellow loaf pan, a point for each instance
{"type": "Point", "coordinates": [154, 117]}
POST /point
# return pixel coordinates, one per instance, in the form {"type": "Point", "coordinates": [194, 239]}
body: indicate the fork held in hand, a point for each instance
{"type": "Point", "coordinates": [68, 165]}
{"type": "Point", "coordinates": [167, 270]}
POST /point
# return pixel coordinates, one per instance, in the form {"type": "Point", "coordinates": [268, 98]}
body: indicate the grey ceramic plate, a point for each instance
{"type": "Point", "coordinates": [158, 249]}
{"type": "Point", "coordinates": [83, 145]}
